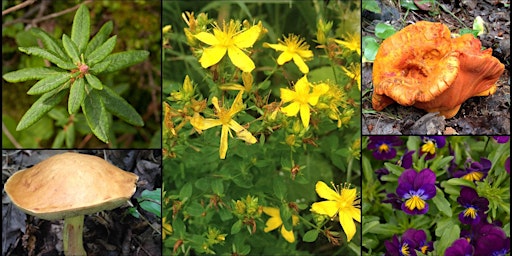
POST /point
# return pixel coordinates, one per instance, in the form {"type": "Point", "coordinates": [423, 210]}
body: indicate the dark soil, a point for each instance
{"type": "Point", "coordinates": [113, 232]}
{"type": "Point", "coordinates": [478, 115]}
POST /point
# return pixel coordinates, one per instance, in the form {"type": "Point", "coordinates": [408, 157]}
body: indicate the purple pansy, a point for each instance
{"type": "Point", "coordinates": [460, 247]}
{"type": "Point", "coordinates": [411, 240]}
{"type": "Point", "coordinates": [501, 139]}
{"type": "Point", "coordinates": [406, 160]}
{"type": "Point", "coordinates": [383, 146]}
{"type": "Point", "coordinates": [381, 172]}
{"type": "Point", "coordinates": [474, 206]}
{"type": "Point", "coordinates": [394, 200]}
{"type": "Point", "coordinates": [415, 188]}
{"type": "Point", "coordinates": [476, 171]}
{"type": "Point", "coordinates": [490, 240]}
{"type": "Point", "coordinates": [431, 144]}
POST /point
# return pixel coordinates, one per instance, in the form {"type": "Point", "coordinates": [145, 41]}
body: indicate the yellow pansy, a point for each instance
{"type": "Point", "coordinates": [301, 99]}
{"type": "Point", "coordinates": [230, 40]}
{"type": "Point", "coordinates": [345, 203]}
{"type": "Point", "coordinates": [225, 119]}
{"type": "Point", "coordinates": [293, 47]}
{"type": "Point", "coordinates": [275, 221]}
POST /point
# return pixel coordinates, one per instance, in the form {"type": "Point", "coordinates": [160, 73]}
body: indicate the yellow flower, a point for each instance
{"type": "Point", "coordinates": [301, 99]}
{"type": "Point", "coordinates": [166, 228]}
{"type": "Point", "coordinates": [353, 43]}
{"type": "Point", "coordinates": [293, 47]}
{"type": "Point", "coordinates": [225, 118]}
{"type": "Point", "coordinates": [230, 40]}
{"type": "Point", "coordinates": [344, 203]}
{"type": "Point", "coordinates": [275, 221]}
{"type": "Point", "coordinates": [354, 72]}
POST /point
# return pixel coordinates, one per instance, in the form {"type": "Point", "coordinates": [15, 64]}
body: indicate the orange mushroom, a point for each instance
{"type": "Point", "coordinates": [422, 66]}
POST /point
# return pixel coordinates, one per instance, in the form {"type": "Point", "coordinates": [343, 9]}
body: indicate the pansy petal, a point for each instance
{"type": "Point", "coordinates": [223, 148]}
{"type": "Point", "coordinates": [300, 64]}
{"type": "Point", "coordinates": [284, 57]}
{"type": "Point", "coordinates": [292, 109]}
{"type": "Point", "coordinates": [329, 208]}
{"type": "Point", "coordinates": [212, 56]}
{"type": "Point", "coordinates": [305, 114]}
{"type": "Point", "coordinates": [349, 227]}
{"type": "Point", "coordinates": [326, 192]}
{"type": "Point", "coordinates": [247, 38]}
{"type": "Point", "coordinates": [429, 191]}
{"type": "Point", "coordinates": [425, 176]}
{"type": "Point", "coordinates": [288, 235]}
{"type": "Point", "coordinates": [240, 59]}
{"type": "Point", "coordinates": [287, 95]}
{"type": "Point", "coordinates": [207, 38]}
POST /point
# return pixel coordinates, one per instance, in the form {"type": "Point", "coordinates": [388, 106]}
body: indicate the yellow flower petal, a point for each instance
{"type": "Point", "coordinates": [277, 47]}
{"type": "Point", "coordinates": [247, 38]}
{"type": "Point", "coordinates": [301, 64]}
{"type": "Point", "coordinates": [349, 227]}
{"type": "Point", "coordinates": [242, 133]}
{"type": "Point", "coordinates": [212, 56]}
{"type": "Point", "coordinates": [284, 57]}
{"type": "Point", "coordinates": [302, 86]}
{"type": "Point", "coordinates": [292, 109]}
{"type": "Point", "coordinates": [207, 38]}
{"type": "Point", "coordinates": [275, 219]}
{"type": "Point", "coordinates": [305, 114]}
{"type": "Point", "coordinates": [287, 95]}
{"type": "Point", "coordinates": [318, 91]}
{"type": "Point", "coordinates": [223, 148]}
{"type": "Point", "coordinates": [288, 235]}
{"type": "Point", "coordinates": [329, 208]}
{"type": "Point", "coordinates": [306, 54]}
{"type": "Point", "coordinates": [202, 123]}
{"type": "Point", "coordinates": [326, 192]}
{"type": "Point", "coordinates": [240, 59]}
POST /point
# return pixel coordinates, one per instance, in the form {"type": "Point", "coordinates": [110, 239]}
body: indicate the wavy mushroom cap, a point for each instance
{"type": "Point", "coordinates": [422, 66]}
{"type": "Point", "coordinates": [68, 185]}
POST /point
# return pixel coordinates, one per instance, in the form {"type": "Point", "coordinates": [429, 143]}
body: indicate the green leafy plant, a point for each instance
{"type": "Point", "coordinates": [78, 60]}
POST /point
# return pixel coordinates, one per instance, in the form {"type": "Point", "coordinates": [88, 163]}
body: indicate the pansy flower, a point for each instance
{"type": "Point", "coordinates": [411, 240]}
{"type": "Point", "coordinates": [415, 188]}
{"type": "Point", "coordinates": [381, 172]}
{"type": "Point", "coordinates": [383, 146]}
{"type": "Point", "coordinates": [395, 201]}
{"type": "Point", "coordinates": [406, 159]}
{"type": "Point", "coordinates": [474, 206]}
{"type": "Point", "coordinates": [490, 240]}
{"type": "Point", "coordinates": [431, 144]}
{"type": "Point", "coordinates": [476, 171]}
{"type": "Point", "coordinates": [501, 139]}
{"type": "Point", "coordinates": [460, 247]}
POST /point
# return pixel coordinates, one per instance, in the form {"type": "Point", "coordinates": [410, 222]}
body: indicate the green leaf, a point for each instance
{"type": "Point", "coordinates": [49, 42]}
{"type": "Point", "coordinates": [99, 67]}
{"type": "Point", "coordinates": [71, 48]}
{"type": "Point", "coordinates": [81, 29]}
{"type": "Point", "coordinates": [119, 107]}
{"type": "Point", "coordinates": [44, 104]}
{"type": "Point", "coordinates": [237, 226]}
{"type": "Point", "coordinates": [217, 186]}
{"type": "Point", "coordinates": [125, 59]}
{"type": "Point", "coordinates": [370, 47]}
{"type": "Point", "coordinates": [76, 95]}
{"type": "Point", "coordinates": [310, 236]}
{"type": "Point", "coordinates": [185, 192]}
{"type": "Point", "coordinates": [49, 83]}
{"type": "Point", "coordinates": [59, 139]}
{"type": "Point", "coordinates": [441, 203]}
{"type": "Point", "coordinates": [100, 37]}
{"type": "Point", "coordinates": [371, 5]}
{"type": "Point", "coordinates": [150, 201]}
{"type": "Point", "coordinates": [384, 31]}
{"type": "Point", "coordinates": [94, 81]}
{"type": "Point", "coordinates": [449, 235]}
{"type": "Point", "coordinates": [70, 135]}
{"type": "Point", "coordinates": [96, 116]}
{"type": "Point", "coordinates": [29, 74]}
{"type": "Point", "coordinates": [101, 52]}
{"type": "Point", "coordinates": [49, 56]}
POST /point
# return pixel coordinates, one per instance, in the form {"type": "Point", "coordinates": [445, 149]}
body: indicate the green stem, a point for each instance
{"type": "Point", "coordinates": [349, 169]}
{"type": "Point", "coordinates": [73, 229]}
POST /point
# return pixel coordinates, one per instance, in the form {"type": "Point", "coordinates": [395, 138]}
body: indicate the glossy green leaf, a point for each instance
{"type": "Point", "coordinates": [49, 83]}
{"type": "Point", "coordinates": [27, 74]}
{"type": "Point", "coordinates": [81, 29]}
{"type": "Point", "coordinates": [370, 48]}
{"type": "Point", "coordinates": [96, 116]}
{"type": "Point", "coordinates": [151, 201]}
{"type": "Point", "coordinates": [99, 67]}
{"type": "Point", "coordinates": [44, 104]}
{"type": "Point", "coordinates": [49, 56]}
{"type": "Point", "coordinates": [383, 30]}
{"type": "Point", "coordinates": [125, 59]}
{"type": "Point", "coordinates": [52, 44]}
{"type": "Point", "coordinates": [100, 37]}
{"type": "Point", "coordinates": [449, 235]}
{"type": "Point", "coordinates": [71, 48]}
{"type": "Point", "coordinates": [119, 107]}
{"type": "Point", "coordinates": [101, 52]}
{"type": "Point", "coordinates": [76, 95]}
{"type": "Point", "coordinates": [94, 81]}
{"type": "Point", "coordinates": [441, 203]}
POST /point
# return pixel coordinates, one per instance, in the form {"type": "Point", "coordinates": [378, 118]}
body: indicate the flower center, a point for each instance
{"type": "Point", "coordinates": [473, 176]}
{"type": "Point", "coordinates": [383, 148]}
{"type": "Point", "coordinates": [415, 202]}
{"type": "Point", "coordinates": [470, 212]}
{"type": "Point", "coordinates": [429, 147]}
{"type": "Point", "coordinates": [224, 116]}
{"type": "Point", "coordinates": [404, 250]}
{"type": "Point", "coordinates": [424, 249]}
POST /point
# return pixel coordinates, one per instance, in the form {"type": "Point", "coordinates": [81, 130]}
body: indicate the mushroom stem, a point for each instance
{"type": "Point", "coordinates": [73, 229]}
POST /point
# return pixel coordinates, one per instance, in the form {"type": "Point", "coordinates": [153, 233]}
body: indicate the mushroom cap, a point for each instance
{"type": "Point", "coordinates": [422, 66]}
{"type": "Point", "coordinates": [70, 184]}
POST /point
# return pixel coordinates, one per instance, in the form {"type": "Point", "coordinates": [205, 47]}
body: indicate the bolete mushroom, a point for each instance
{"type": "Point", "coordinates": [68, 186]}
{"type": "Point", "coordinates": [422, 66]}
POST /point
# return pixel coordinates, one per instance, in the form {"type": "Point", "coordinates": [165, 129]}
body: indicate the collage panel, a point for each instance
{"type": "Point", "coordinates": [436, 195]}
{"type": "Point", "coordinates": [81, 74]}
{"type": "Point", "coordinates": [436, 68]}
{"type": "Point", "coordinates": [81, 202]}
{"type": "Point", "coordinates": [261, 129]}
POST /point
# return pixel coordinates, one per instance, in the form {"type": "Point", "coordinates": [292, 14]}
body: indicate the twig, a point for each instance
{"type": "Point", "coordinates": [18, 6]}
{"type": "Point", "coordinates": [57, 14]}
{"type": "Point", "coordinates": [9, 136]}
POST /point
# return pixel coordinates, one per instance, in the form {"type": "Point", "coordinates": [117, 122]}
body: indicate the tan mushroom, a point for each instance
{"type": "Point", "coordinates": [68, 186]}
